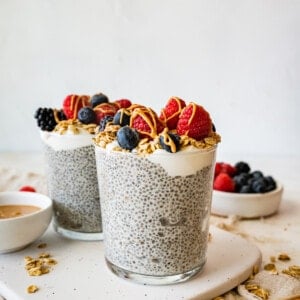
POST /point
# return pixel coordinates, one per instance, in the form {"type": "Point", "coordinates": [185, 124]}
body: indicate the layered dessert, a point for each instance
{"type": "Point", "coordinates": [70, 163]}
{"type": "Point", "coordinates": [155, 176]}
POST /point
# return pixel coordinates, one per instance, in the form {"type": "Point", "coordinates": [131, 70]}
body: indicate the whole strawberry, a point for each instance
{"type": "Point", "coordinates": [223, 182]}
{"type": "Point", "coordinates": [146, 122]}
{"type": "Point", "coordinates": [73, 103]}
{"type": "Point", "coordinates": [194, 121]}
{"type": "Point", "coordinates": [104, 109]}
{"type": "Point", "coordinates": [170, 113]}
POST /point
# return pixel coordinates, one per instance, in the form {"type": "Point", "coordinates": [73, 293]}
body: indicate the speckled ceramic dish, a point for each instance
{"type": "Point", "coordinates": [246, 205]}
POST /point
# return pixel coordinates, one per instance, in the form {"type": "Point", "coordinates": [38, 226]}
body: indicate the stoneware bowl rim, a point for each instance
{"type": "Point", "coordinates": [252, 205]}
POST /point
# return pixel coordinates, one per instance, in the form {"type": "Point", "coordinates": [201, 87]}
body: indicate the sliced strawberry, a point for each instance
{"type": "Point", "coordinates": [223, 182]}
{"type": "Point", "coordinates": [194, 121]}
{"type": "Point", "coordinates": [104, 109]}
{"type": "Point", "coordinates": [73, 103]}
{"type": "Point", "coordinates": [170, 113]}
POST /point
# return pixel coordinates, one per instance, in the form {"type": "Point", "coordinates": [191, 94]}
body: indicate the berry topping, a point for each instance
{"type": "Point", "coordinates": [169, 141]}
{"type": "Point", "coordinates": [86, 115]}
{"type": "Point", "coordinates": [244, 181]}
{"type": "Point", "coordinates": [73, 103]}
{"type": "Point", "coordinates": [98, 99]}
{"type": "Point", "coordinates": [146, 122]}
{"type": "Point", "coordinates": [27, 188]}
{"type": "Point", "coordinates": [123, 103]}
{"type": "Point", "coordinates": [104, 109]}
{"type": "Point", "coordinates": [122, 117]}
{"type": "Point", "coordinates": [104, 121]}
{"type": "Point", "coordinates": [242, 167]}
{"type": "Point", "coordinates": [127, 137]}
{"type": "Point", "coordinates": [223, 182]}
{"type": "Point", "coordinates": [170, 113]}
{"type": "Point", "coordinates": [134, 106]}
{"type": "Point", "coordinates": [47, 118]}
{"type": "Point", "coordinates": [194, 121]}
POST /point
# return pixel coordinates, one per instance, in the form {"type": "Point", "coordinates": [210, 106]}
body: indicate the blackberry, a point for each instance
{"type": "Point", "coordinates": [104, 121]}
{"type": "Point", "coordinates": [166, 139]}
{"type": "Point", "coordinates": [47, 118]}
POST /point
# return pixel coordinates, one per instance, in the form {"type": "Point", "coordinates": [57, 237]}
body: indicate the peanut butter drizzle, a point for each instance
{"type": "Point", "coordinates": [124, 111]}
{"type": "Point", "coordinates": [168, 141]}
{"type": "Point", "coordinates": [150, 120]}
{"type": "Point", "coordinates": [75, 100]}
{"type": "Point", "coordinates": [177, 99]}
{"type": "Point", "coordinates": [101, 109]}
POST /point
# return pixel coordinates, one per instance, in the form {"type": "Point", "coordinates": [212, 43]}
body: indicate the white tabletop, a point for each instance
{"type": "Point", "coordinates": [273, 235]}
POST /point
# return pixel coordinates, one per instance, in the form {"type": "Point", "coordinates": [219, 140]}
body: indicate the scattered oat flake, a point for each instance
{"type": "Point", "coordinates": [42, 246]}
{"type": "Point", "coordinates": [293, 271]}
{"type": "Point", "coordinates": [32, 289]}
{"type": "Point", "coordinates": [283, 257]}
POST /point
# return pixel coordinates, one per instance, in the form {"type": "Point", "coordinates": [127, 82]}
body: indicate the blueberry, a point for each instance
{"type": "Point", "coordinates": [166, 141]}
{"type": "Point", "coordinates": [104, 121]}
{"type": "Point", "coordinates": [240, 180]}
{"type": "Point", "coordinates": [122, 117]}
{"type": "Point", "coordinates": [257, 174]}
{"type": "Point", "coordinates": [86, 115]}
{"type": "Point", "coordinates": [242, 167]}
{"type": "Point", "coordinates": [259, 185]}
{"type": "Point", "coordinates": [98, 99]}
{"type": "Point", "coordinates": [271, 183]}
{"type": "Point", "coordinates": [245, 189]}
{"type": "Point", "coordinates": [128, 138]}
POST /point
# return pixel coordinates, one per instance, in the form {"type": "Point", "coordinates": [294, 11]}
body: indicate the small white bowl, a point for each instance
{"type": "Point", "coordinates": [18, 232]}
{"type": "Point", "coordinates": [246, 205]}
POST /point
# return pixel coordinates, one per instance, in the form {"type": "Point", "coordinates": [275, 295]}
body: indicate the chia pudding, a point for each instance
{"type": "Point", "coordinates": [154, 223]}
{"type": "Point", "coordinates": [67, 135]}
{"type": "Point", "coordinates": [155, 196]}
{"type": "Point", "coordinates": [73, 186]}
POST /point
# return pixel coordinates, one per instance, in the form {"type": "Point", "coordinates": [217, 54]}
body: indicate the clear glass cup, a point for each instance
{"type": "Point", "coordinates": [72, 185]}
{"type": "Point", "coordinates": [155, 212]}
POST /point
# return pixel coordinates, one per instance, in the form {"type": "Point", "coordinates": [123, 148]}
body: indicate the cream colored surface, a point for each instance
{"type": "Point", "coordinates": [273, 235]}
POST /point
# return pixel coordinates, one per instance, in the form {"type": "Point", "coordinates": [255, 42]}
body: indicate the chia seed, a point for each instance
{"type": "Point", "coordinates": [73, 187]}
{"type": "Point", "coordinates": [153, 224]}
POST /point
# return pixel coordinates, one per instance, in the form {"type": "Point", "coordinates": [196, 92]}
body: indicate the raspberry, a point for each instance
{"type": "Point", "coordinates": [170, 113]}
{"type": "Point", "coordinates": [194, 121]}
{"type": "Point", "coordinates": [223, 182]}
{"type": "Point", "coordinates": [27, 188]}
{"type": "Point", "coordinates": [218, 169]}
{"type": "Point", "coordinates": [146, 122]}
{"type": "Point", "coordinates": [229, 169]}
{"type": "Point", "coordinates": [122, 103]}
{"type": "Point", "coordinates": [73, 103]}
{"type": "Point", "coordinates": [104, 109]}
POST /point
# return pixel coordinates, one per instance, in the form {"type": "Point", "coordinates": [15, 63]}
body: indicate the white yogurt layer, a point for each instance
{"type": "Point", "coordinates": [68, 140]}
{"type": "Point", "coordinates": [184, 162]}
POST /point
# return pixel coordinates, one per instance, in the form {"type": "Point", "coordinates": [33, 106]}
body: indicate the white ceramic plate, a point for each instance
{"type": "Point", "coordinates": [246, 205]}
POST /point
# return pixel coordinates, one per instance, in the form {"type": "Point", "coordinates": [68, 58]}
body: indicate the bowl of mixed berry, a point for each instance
{"type": "Point", "coordinates": [246, 193]}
